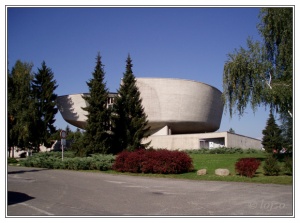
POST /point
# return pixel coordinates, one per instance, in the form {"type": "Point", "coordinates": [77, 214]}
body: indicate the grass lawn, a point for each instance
{"type": "Point", "coordinates": [215, 161]}
{"type": "Point", "coordinates": [207, 161]}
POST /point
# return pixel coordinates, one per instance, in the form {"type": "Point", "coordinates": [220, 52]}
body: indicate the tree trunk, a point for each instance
{"type": "Point", "coordinates": [13, 152]}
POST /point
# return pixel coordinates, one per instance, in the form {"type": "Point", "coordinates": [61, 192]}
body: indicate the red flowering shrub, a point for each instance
{"type": "Point", "coordinates": [120, 161]}
{"type": "Point", "coordinates": [247, 166]}
{"type": "Point", "coordinates": [133, 162]}
{"type": "Point", "coordinates": [153, 161]}
{"type": "Point", "coordinates": [150, 161]}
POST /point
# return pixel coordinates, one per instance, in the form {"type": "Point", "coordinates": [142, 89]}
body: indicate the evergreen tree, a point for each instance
{"type": "Point", "coordinates": [21, 110]}
{"type": "Point", "coordinates": [68, 130]}
{"type": "Point", "coordinates": [287, 131]}
{"type": "Point", "coordinates": [43, 87]}
{"type": "Point", "coordinates": [76, 139]}
{"type": "Point", "coordinates": [271, 166]}
{"type": "Point", "coordinates": [56, 135]}
{"type": "Point", "coordinates": [272, 140]}
{"type": "Point", "coordinates": [129, 119]}
{"type": "Point", "coordinates": [231, 131]}
{"type": "Point", "coordinates": [97, 137]}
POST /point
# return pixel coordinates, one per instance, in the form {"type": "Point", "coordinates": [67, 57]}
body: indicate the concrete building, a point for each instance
{"type": "Point", "coordinates": [182, 114]}
{"type": "Point", "coordinates": [203, 140]}
{"type": "Point", "coordinates": [70, 107]}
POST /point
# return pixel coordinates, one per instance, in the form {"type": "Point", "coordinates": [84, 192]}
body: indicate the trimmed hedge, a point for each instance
{"type": "Point", "coordinates": [224, 150]}
{"type": "Point", "coordinates": [11, 160]}
{"type": "Point", "coordinates": [160, 161]}
{"type": "Point", "coordinates": [247, 166]}
{"type": "Point", "coordinates": [53, 160]}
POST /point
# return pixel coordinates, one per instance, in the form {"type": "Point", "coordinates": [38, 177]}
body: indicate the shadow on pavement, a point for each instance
{"type": "Point", "coordinates": [24, 171]}
{"type": "Point", "coordinates": [17, 197]}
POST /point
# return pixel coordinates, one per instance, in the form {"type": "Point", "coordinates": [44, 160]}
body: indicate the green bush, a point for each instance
{"type": "Point", "coordinates": [271, 166]}
{"type": "Point", "coordinates": [31, 162]}
{"type": "Point", "coordinates": [198, 151]}
{"type": "Point", "coordinates": [223, 150]}
{"type": "Point", "coordinates": [75, 163]}
{"type": "Point", "coordinates": [58, 164]}
{"type": "Point", "coordinates": [288, 165]}
{"type": "Point", "coordinates": [53, 160]}
{"type": "Point", "coordinates": [12, 160]}
{"type": "Point", "coordinates": [102, 162]}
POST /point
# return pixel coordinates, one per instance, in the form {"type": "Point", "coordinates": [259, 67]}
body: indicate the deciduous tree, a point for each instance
{"type": "Point", "coordinates": [262, 74]}
{"type": "Point", "coordinates": [21, 109]}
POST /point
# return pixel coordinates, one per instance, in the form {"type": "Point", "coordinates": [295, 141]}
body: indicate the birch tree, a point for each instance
{"type": "Point", "coordinates": [262, 74]}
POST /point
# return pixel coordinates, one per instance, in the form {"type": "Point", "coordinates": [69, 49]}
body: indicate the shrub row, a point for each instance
{"type": "Point", "coordinates": [224, 150]}
{"type": "Point", "coordinates": [160, 161]}
{"type": "Point", "coordinates": [147, 161]}
{"type": "Point", "coordinates": [53, 160]}
{"type": "Point", "coordinates": [11, 160]}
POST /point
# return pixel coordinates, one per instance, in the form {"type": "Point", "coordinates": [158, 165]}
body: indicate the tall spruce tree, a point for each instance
{"type": "Point", "coordinates": [21, 109]}
{"type": "Point", "coordinates": [272, 140]}
{"type": "Point", "coordinates": [130, 124]}
{"type": "Point", "coordinates": [43, 86]}
{"type": "Point", "coordinates": [97, 136]}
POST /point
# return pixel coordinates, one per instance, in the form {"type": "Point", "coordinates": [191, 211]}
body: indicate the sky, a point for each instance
{"type": "Point", "coordinates": [173, 42]}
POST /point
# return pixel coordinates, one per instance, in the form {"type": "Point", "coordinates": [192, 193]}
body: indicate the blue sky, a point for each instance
{"type": "Point", "coordinates": [189, 43]}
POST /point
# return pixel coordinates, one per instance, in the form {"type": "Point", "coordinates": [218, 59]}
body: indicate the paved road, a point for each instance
{"type": "Point", "coordinates": [42, 192]}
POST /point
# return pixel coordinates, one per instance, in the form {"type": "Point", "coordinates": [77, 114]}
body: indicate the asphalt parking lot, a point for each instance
{"type": "Point", "coordinates": [44, 192]}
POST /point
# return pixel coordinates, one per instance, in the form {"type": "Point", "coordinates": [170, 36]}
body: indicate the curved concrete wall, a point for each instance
{"type": "Point", "coordinates": [70, 107]}
{"type": "Point", "coordinates": [184, 106]}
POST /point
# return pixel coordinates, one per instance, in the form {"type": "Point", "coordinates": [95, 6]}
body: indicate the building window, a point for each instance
{"type": "Point", "coordinates": [204, 144]}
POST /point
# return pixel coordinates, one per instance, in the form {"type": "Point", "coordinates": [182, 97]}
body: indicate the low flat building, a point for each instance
{"type": "Point", "coordinates": [202, 140]}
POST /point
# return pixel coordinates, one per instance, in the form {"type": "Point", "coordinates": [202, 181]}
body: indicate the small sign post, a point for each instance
{"type": "Point", "coordinates": [63, 135]}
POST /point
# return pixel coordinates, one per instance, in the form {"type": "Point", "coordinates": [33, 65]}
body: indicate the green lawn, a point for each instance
{"type": "Point", "coordinates": [215, 161]}
{"type": "Point", "coordinates": [200, 161]}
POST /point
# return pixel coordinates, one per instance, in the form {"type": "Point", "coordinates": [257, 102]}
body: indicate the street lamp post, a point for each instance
{"type": "Point", "coordinates": [63, 135]}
